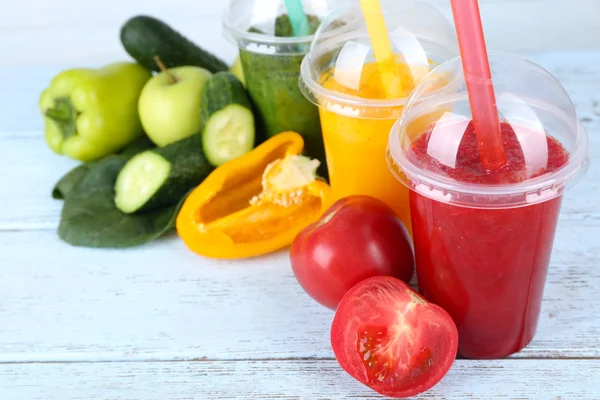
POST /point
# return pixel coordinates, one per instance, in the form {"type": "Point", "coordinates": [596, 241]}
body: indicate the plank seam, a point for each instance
{"type": "Point", "coordinates": [274, 359]}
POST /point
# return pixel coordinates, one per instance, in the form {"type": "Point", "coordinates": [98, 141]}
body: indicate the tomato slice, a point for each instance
{"type": "Point", "coordinates": [391, 339]}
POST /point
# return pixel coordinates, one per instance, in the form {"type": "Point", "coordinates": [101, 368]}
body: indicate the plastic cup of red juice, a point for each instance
{"type": "Point", "coordinates": [483, 239]}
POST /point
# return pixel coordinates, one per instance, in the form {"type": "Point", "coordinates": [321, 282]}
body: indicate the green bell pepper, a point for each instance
{"type": "Point", "coordinates": [91, 113]}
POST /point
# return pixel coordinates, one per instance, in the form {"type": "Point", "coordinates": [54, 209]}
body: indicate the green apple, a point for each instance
{"type": "Point", "coordinates": [169, 104]}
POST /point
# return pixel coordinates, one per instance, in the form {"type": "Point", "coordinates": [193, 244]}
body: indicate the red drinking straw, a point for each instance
{"type": "Point", "coordinates": [478, 78]}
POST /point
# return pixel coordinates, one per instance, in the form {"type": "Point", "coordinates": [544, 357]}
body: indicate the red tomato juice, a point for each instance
{"type": "Point", "coordinates": [486, 267]}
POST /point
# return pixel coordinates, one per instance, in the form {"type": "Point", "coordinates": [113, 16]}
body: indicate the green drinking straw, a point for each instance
{"type": "Point", "coordinates": [298, 17]}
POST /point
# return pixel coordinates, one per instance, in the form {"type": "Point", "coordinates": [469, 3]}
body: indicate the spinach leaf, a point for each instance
{"type": "Point", "coordinates": [90, 219]}
{"type": "Point", "coordinates": [67, 182]}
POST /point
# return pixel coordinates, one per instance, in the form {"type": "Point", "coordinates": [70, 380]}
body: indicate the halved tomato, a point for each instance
{"type": "Point", "coordinates": [390, 338]}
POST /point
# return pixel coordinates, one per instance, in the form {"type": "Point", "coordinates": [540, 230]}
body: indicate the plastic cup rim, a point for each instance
{"type": "Point", "coordinates": [234, 34]}
{"type": "Point", "coordinates": [311, 88]}
{"type": "Point", "coordinates": [578, 162]}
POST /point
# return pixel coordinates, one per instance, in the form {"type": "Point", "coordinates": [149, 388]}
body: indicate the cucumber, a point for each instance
{"type": "Point", "coordinates": [145, 37]}
{"type": "Point", "coordinates": [162, 176]}
{"type": "Point", "coordinates": [226, 112]}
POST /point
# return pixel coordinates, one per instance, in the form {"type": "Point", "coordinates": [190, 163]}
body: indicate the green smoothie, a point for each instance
{"type": "Point", "coordinates": [272, 81]}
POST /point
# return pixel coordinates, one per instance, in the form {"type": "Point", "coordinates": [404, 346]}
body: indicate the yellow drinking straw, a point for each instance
{"type": "Point", "coordinates": [382, 48]}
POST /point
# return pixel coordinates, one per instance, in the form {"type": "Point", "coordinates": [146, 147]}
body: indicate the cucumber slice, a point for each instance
{"type": "Point", "coordinates": [228, 134]}
{"type": "Point", "coordinates": [139, 180]}
{"type": "Point", "coordinates": [229, 127]}
{"type": "Point", "coordinates": [161, 177]}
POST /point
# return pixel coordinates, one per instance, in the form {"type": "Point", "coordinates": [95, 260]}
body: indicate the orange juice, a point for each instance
{"type": "Point", "coordinates": [355, 146]}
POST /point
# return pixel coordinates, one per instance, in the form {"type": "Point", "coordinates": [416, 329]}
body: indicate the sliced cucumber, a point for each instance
{"type": "Point", "coordinates": [161, 177]}
{"type": "Point", "coordinates": [229, 127]}
{"type": "Point", "coordinates": [228, 134]}
{"type": "Point", "coordinates": [139, 181]}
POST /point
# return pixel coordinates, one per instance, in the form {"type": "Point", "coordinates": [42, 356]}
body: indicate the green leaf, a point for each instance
{"type": "Point", "coordinates": [90, 218]}
{"type": "Point", "coordinates": [66, 183]}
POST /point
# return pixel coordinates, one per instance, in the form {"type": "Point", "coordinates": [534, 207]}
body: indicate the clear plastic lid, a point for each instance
{"type": "Point", "coordinates": [433, 148]}
{"type": "Point", "coordinates": [263, 26]}
{"type": "Point", "coordinates": [340, 73]}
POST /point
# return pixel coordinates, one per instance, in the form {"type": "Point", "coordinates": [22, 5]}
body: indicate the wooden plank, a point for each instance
{"type": "Point", "coordinates": [161, 302]}
{"type": "Point", "coordinates": [97, 42]}
{"type": "Point", "coordinates": [70, 32]}
{"type": "Point", "coordinates": [20, 115]}
{"type": "Point", "coordinates": [19, 111]}
{"type": "Point", "coordinates": [156, 302]}
{"type": "Point", "coordinates": [29, 171]}
{"type": "Point", "coordinates": [27, 204]}
{"type": "Point", "coordinates": [290, 379]}
{"type": "Point", "coordinates": [30, 14]}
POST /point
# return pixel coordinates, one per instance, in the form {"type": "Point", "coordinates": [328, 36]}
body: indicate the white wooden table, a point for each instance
{"type": "Point", "coordinates": [158, 322]}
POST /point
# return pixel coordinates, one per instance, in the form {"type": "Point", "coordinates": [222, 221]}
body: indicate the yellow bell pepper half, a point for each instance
{"type": "Point", "coordinates": [255, 204]}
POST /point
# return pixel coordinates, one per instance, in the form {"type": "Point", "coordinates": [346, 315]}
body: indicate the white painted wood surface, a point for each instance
{"type": "Point", "coordinates": [34, 32]}
{"type": "Point", "coordinates": [157, 322]}
{"type": "Point", "coordinates": [290, 380]}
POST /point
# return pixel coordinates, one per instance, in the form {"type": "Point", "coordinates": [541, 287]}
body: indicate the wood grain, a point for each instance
{"type": "Point", "coordinates": [34, 32]}
{"type": "Point", "coordinates": [577, 71]}
{"type": "Point", "coordinates": [158, 322]}
{"type": "Point", "coordinates": [30, 169]}
{"type": "Point", "coordinates": [34, 170]}
{"type": "Point", "coordinates": [161, 302]}
{"type": "Point", "coordinates": [290, 380]}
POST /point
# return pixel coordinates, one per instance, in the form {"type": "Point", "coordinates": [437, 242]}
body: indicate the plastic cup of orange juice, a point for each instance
{"type": "Point", "coordinates": [340, 76]}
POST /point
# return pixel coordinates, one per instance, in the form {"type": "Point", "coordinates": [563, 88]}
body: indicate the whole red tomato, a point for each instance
{"type": "Point", "coordinates": [391, 339]}
{"type": "Point", "coordinates": [356, 238]}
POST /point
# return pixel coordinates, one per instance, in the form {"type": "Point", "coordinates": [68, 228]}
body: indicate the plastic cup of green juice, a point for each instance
{"type": "Point", "coordinates": [271, 57]}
